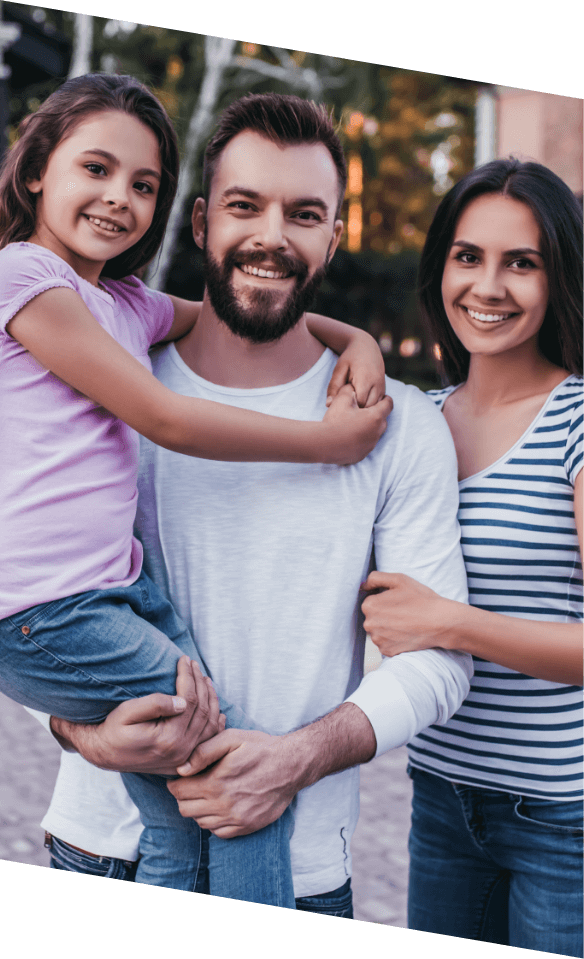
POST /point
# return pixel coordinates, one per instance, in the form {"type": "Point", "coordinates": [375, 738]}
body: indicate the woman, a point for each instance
{"type": "Point", "coordinates": [496, 841]}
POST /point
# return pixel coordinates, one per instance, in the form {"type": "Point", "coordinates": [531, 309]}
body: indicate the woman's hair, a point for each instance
{"type": "Point", "coordinates": [559, 217]}
{"type": "Point", "coordinates": [41, 132]}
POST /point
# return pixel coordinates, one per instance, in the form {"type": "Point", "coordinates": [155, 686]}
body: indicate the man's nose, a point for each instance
{"type": "Point", "coordinates": [271, 231]}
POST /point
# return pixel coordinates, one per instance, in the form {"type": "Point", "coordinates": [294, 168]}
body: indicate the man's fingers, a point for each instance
{"type": "Point", "coordinates": [379, 580]}
{"type": "Point", "coordinates": [154, 706]}
{"type": "Point", "coordinates": [206, 753]}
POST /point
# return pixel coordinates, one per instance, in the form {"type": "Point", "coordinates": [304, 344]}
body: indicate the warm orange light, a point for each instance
{"type": "Point", "coordinates": [355, 124]}
{"type": "Point", "coordinates": [250, 49]}
{"type": "Point", "coordinates": [354, 226]}
{"type": "Point", "coordinates": [409, 347]}
{"type": "Point", "coordinates": [355, 175]}
{"type": "Point", "coordinates": [437, 352]}
{"type": "Point", "coordinates": [174, 68]}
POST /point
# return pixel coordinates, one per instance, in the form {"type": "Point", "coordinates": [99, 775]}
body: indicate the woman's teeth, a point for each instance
{"type": "Point", "coordinates": [488, 317]}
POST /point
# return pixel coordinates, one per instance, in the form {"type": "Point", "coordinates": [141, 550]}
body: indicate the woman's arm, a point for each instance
{"type": "Point", "coordinates": [58, 329]}
{"type": "Point", "coordinates": [407, 615]}
{"type": "Point", "coordinates": [360, 361]}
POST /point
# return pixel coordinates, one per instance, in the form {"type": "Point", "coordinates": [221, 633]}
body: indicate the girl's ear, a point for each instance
{"type": "Point", "coordinates": [199, 219]}
{"type": "Point", "coordinates": [34, 186]}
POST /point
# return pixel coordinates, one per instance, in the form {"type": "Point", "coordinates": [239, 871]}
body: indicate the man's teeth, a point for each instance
{"type": "Point", "coordinates": [256, 271]}
{"type": "Point", "coordinates": [105, 224]}
{"type": "Point", "coordinates": [488, 317]}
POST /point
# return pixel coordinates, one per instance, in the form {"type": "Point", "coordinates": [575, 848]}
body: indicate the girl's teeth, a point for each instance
{"type": "Point", "coordinates": [104, 224]}
{"type": "Point", "coordinates": [488, 317]}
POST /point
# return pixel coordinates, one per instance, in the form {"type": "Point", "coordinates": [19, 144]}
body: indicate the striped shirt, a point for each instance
{"type": "Point", "coordinates": [513, 732]}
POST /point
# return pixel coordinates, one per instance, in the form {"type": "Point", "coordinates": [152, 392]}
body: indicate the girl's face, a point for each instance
{"type": "Point", "coordinates": [494, 286]}
{"type": "Point", "coordinates": [97, 194]}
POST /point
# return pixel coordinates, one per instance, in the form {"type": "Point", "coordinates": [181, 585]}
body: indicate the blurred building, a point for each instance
{"type": "Point", "coordinates": [531, 126]}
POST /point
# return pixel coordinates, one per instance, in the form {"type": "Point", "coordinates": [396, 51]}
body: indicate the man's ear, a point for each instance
{"type": "Point", "coordinates": [199, 220]}
{"type": "Point", "coordinates": [337, 234]}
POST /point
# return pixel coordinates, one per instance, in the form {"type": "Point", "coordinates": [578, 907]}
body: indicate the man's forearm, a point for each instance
{"type": "Point", "coordinates": [341, 739]}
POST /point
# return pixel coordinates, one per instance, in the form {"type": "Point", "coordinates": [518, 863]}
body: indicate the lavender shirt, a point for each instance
{"type": "Point", "coordinates": [68, 467]}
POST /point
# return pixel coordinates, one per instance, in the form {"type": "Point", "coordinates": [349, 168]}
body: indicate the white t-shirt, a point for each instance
{"type": "Point", "coordinates": [263, 561]}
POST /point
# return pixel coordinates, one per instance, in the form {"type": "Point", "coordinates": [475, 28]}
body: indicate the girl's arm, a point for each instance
{"type": "Point", "coordinates": [58, 329]}
{"type": "Point", "coordinates": [360, 361]}
{"type": "Point", "coordinates": [408, 616]}
{"type": "Point", "coordinates": [186, 314]}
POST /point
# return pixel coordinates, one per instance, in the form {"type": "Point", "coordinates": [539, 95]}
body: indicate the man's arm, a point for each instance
{"type": "Point", "coordinates": [153, 734]}
{"type": "Point", "coordinates": [259, 775]}
{"type": "Point", "coordinates": [416, 532]}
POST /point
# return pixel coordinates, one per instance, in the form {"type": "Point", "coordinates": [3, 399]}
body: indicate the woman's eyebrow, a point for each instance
{"type": "Point", "coordinates": [520, 251]}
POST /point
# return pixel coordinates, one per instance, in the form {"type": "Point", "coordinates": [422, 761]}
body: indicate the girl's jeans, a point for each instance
{"type": "Point", "coordinates": [77, 658]}
{"type": "Point", "coordinates": [495, 866]}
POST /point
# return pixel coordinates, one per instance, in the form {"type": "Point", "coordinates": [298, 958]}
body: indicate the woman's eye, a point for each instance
{"type": "Point", "coordinates": [523, 263]}
{"type": "Point", "coordinates": [466, 257]}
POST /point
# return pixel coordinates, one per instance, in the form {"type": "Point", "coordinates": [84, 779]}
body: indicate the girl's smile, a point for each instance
{"type": "Point", "coordinates": [495, 287]}
{"type": "Point", "coordinates": [97, 195]}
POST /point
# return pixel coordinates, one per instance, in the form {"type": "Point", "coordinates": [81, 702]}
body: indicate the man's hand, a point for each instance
{"type": "Point", "coordinates": [154, 734]}
{"type": "Point", "coordinates": [256, 776]}
{"type": "Point", "coordinates": [250, 786]}
{"type": "Point", "coordinates": [403, 615]}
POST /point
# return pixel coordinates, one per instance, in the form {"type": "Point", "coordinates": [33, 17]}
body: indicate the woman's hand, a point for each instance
{"type": "Point", "coordinates": [361, 364]}
{"type": "Point", "coordinates": [403, 615]}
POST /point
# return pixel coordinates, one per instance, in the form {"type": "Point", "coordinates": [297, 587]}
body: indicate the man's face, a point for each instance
{"type": "Point", "coordinates": [268, 234]}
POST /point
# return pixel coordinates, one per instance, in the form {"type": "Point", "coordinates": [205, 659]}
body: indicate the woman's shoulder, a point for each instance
{"type": "Point", "coordinates": [439, 396]}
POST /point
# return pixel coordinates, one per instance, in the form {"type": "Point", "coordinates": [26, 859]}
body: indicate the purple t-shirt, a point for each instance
{"type": "Point", "coordinates": [68, 467]}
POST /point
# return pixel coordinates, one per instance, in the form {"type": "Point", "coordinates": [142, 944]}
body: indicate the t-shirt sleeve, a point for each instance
{"type": "Point", "coordinates": [573, 456]}
{"type": "Point", "coordinates": [25, 272]}
{"type": "Point", "coordinates": [417, 533]}
{"type": "Point", "coordinates": [154, 308]}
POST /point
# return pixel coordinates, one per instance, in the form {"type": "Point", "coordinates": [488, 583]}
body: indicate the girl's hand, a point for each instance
{"type": "Point", "coordinates": [353, 432]}
{"type": "Point", "coordinates": [361, 364]}
{"type": "Point", "coordinates": [403, 615]}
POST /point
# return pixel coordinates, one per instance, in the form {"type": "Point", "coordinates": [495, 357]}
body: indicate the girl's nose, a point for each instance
{"type": "Point", "coordinates": [116, 194]}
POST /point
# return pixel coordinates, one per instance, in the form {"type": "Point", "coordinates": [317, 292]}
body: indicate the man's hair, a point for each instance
{"type": "Point", "coordinates": [559, 218]}
{"type": "Point", "coordinates": [284, 119]}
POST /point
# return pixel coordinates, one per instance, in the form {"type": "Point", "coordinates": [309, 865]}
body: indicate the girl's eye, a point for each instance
{"type": "Point", "coordinates": [95, 168]}
{"type": "Point", "coordinates": [143, 187]}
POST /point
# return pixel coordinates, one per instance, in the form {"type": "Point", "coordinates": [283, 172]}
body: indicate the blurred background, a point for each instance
{"type": "Point", "coordinates": [408, 136]}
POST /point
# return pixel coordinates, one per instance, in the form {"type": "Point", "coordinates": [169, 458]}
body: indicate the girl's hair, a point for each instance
{"type": "Point", "coordinates": [559, 217]}
{"type": "Point", "coordinates": [41, 132]}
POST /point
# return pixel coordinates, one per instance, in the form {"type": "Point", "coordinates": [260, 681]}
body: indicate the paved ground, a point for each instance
{"type": "Point", "coordinates": [29, 761]}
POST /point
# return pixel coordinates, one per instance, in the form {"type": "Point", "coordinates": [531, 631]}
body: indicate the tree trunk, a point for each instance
{"type": "Point", "coordinates": [218, 57]}
{"type": "Point", "coordinates": [82, 45]}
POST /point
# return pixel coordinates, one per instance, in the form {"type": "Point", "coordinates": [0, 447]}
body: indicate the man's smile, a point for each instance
{"type": "Point", "coordinates": [260, 271]}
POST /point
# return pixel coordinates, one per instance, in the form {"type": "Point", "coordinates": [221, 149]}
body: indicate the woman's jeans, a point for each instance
{"type": "Point", "coordinates": [78, 658]}
{"type": "Point", "coordinates": [495, 866]}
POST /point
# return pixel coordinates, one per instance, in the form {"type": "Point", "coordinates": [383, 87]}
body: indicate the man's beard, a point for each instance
{"type": "Point", "coordinates": [268, 315]}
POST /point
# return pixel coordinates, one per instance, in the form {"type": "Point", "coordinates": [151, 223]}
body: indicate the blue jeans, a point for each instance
{"type": "Point", "coordinates": [78, 658]}
{"type": "Point", "coordinates": [495, 866]}
{"type": "Point", "coordinates": [339, 902]}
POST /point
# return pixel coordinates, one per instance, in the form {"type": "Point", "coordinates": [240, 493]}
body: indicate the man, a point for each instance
{"type": "Point", "coordinates": [264, 561]}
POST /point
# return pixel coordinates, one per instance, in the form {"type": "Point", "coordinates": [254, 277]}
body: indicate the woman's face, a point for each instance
{"type": "Point", "coordinates": [494, 286]}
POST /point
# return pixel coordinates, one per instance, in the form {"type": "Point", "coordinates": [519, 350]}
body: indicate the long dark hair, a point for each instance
{"type": "Point", "coordinates": [40, 134]}
{"type": "Point", "coordinates": [559, 217]}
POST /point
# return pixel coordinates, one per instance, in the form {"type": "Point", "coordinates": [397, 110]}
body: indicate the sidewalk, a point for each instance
{"type": "Point", "coordinates": [29, 761]}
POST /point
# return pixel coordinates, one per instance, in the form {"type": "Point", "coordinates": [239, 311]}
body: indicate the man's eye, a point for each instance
{"type": "Point", "coordinates": [307, 215]}
{"type": "Point", "coordinates": [240, 205]}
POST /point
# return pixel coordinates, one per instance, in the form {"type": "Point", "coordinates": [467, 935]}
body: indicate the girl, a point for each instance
{"type": "Point", "coordinates": [84, 200]}
{"type": "Point", "coordinates": [496, 841]}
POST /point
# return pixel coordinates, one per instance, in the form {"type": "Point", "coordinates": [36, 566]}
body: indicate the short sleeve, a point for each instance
{"type": "Point", "coordinates": [573, 456]}
{"type": "Point", "coordinates": [26, 271]}
{"type": "Point", "coordinates": [154, 309]}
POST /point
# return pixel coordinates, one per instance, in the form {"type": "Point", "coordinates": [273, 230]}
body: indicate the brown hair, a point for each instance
{"type": "Point", "coordinates": [281, 118]}
{"type": "Point", "coordinates": [40, 134]}
{"type": "Point", "coordinates": [559, 217]}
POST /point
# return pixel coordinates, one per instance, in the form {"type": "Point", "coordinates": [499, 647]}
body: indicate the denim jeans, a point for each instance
{"type": "Point", "coordinates": [80, 656]}
{"type": "Point", "coordinates": [339, 902]}
{"type": "Point", "coordinates": [495, 866]}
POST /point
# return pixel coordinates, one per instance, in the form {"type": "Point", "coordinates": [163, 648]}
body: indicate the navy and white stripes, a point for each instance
{"type": "Point", "coordinates": [521, 552]}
